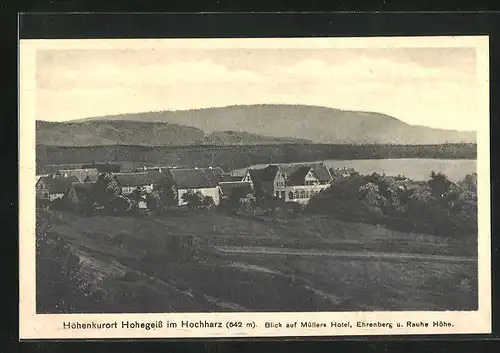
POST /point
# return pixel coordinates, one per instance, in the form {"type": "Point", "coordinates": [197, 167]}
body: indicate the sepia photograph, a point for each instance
{"type": "Point", "coordinates": [319, 178]}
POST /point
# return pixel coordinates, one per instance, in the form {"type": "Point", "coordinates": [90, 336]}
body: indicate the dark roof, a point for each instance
{"type": "Point", "coordinates": [215, 175]}
{"type": "Point", "coordinates": [298, 176]}
{"type": "Point", "coordinates": [322, 172]}
{"type": "Point", "coordinates": [58, 184]}
{"type": "Point", "coordinates": [295, 173]}
{"type": "Point", "coordinates": [135, 179]}
{"type": "Point", "coordinates": [91, 178]}
{"type": "Point", "coordinates": [195, 178]}
{"type": "Point", "coordinates": [83, 188]}
{"type": "Point", "coordinates": [257, 175]}
{"type": "Point", "coordinates": [269, 173]}
{"type": "Point", "coordinates": [156, 175]}
{"type": "Point", "coordinates": [228, 187]}
{"type": "Point", "coordinates": [229, 178]}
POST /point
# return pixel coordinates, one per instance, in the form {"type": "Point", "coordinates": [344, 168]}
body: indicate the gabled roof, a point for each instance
{"type": "Point", "coordinates": [91, 178]}
{"type": "Point", "coordinates": [257, 175]}
{"type": "Point", "coordinates": [298, 176]}
{"type": "Point", "coordinates": [58, 184]}
{"type": "Point", "coordinates": [295, 173]}
{"type": "Point", "coordinates": [269, 173]}
{"type": "Point", "coordinates": [228, 187]}
{"type": "Point", "coordinates": [195, 178]}
{"type": "Point", "coordinates": [322, 172]}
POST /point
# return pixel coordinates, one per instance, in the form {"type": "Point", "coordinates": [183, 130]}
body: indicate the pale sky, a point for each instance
{"type": "Point", "coordinates": [434, 87]}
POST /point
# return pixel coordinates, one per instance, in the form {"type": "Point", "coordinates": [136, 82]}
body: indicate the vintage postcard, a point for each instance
{"type": "Point", "coordinates": [197, 188]}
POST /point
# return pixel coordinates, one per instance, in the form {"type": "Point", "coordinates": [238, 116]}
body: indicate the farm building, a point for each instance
{"type": "Point", "coordinates": [129, 182]}
{"type": "Point", "coordinates": [54, 187]}
{"type": "Point", "coordinates": [202, 180]}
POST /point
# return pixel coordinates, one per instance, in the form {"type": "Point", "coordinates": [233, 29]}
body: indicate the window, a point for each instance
{"type": "Point", "coordinates": [302, 194]}
{"type": "Point", "coordinates": [277, 193]}
{"type": "Point", "coordinates": [290, 195]}
{"type": "Point", "coordinates": [307, 194]}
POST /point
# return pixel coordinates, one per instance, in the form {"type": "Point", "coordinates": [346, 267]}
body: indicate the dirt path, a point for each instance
{"type": "Point", "coordinates": [344, 254]}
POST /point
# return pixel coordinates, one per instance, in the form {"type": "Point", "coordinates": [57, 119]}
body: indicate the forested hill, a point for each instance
{"type": "Point", "coordinates": [119, 132]}
{"type": "Point", "coordinates": [302, 122]}
{"type": "Point", "coordinates": [239, 156]}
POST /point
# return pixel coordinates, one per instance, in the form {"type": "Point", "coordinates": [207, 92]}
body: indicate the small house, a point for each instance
{"type": "Point", "coordinates": [54, 187]}
{"type": "Point", "coordinates": [202, 180]}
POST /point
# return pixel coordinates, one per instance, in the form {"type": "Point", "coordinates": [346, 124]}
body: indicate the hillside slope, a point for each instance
{"type": "Point", "coordinates": [122, 132]}
{"type": "Point", "coordinates": [318, 124]}
{"type": "Point", "coordinates": [88, 133]}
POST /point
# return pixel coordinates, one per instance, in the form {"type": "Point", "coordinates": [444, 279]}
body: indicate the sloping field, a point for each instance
{"type": "Point", "coordinates": [235, 264]}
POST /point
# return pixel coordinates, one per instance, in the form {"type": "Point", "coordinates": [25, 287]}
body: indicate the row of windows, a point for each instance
{"type": "Point", "coordinates": [308, 182]}
{"type": "Point", "coordinates": [302, 194]}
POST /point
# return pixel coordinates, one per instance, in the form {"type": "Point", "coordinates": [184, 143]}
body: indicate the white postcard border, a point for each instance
{"type": "Point", "coordinates": [38, 326]}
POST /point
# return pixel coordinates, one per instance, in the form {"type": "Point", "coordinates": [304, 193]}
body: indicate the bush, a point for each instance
{"type": "Point", "coordinates": [207, 203]}
{"type": "Point", "coordinates": [246, 205]}
{"type": "Point", "coordinates": [438, 206]}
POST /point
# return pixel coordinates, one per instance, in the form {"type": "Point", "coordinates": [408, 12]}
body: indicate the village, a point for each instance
{"type": "Point", "coordinates": [196, 239]}
{"type": "Point", "coordinates": [285, 183]}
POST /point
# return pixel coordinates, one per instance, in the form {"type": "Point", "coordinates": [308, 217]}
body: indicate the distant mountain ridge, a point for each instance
{"type": "Point", "coordinates": [246, 124]}
{"type": "Point", "coordinates": [118, 132]}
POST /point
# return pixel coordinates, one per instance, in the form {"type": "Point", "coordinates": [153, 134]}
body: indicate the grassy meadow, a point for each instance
{"type": "Point", "coordinates": [299, 263]}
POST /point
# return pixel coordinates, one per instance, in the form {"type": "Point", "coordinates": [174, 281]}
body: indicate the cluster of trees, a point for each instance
{"type": "Point", "coordinates": [106, 195]}
{"type": "Point", "coordinates": [437, 206]}
{"type": "Point", "coordinates": [196, 200]}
